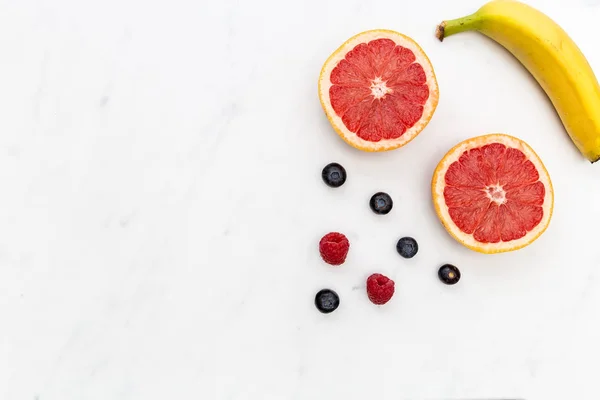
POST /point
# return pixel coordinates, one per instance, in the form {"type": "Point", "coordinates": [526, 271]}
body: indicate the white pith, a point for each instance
{"type": "Point", "coordinates": [468, 240]}
{"type": "Point", "coordinates": [496, 193]}
{"type": "Point", "coordinates": [428, 108]}
{"type": "Point", "coordinates": [379, 88]}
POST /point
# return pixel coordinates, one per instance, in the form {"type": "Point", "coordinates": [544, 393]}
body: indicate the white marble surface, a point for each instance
{"type": "Point", "coordinates": [161, 206]}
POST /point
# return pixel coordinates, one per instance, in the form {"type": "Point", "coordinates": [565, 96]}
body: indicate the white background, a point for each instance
{"type": "Point", "coordinates": [161, 205]}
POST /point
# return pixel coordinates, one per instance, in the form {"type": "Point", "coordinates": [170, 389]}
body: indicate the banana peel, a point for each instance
{"type": "Point", "coordinates": [551, 56]}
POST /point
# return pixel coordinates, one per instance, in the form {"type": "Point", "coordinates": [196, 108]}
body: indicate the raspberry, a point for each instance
{"type": "Point", "coordinates": [334, 248]}
{"type": "Point", "coordinates": [380, 289]}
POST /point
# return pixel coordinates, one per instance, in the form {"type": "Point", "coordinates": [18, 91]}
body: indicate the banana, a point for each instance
{"type": "Point", "coordinates": [551, 56]}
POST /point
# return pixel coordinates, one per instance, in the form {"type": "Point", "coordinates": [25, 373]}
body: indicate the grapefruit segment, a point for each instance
{"type": "Point", "coordinates": [378, 90]}
{"type": "Point", "coordinates": [493, 194]}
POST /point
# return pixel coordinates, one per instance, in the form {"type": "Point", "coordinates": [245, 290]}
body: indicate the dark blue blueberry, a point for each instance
{"type": "Point", "coordinates": [449, 274]}
{"type": "Point", "coordinates": [381, 203]}
{"type": "Point", "coordinates": [334, 175]}
{"type": "Point", "coordinates": [407, 247]}
{"type": "Point", "coordinates": [327, 301]}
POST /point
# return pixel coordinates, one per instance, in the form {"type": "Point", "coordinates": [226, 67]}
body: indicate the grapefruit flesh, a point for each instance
{"type": "Point", "coordinates": [493, 194]}
{"type": "Point", "coordinates": [378, 90]}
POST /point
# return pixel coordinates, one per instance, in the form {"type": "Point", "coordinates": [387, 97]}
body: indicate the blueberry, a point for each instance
{"type": "Point", "coordinates": [449, 274]}
{"type": "Point", "coordinates": [327, 301]}
{"type": "Point", "coordinates": [381, 203]}
{"type": "Point", "coordinates": [334, 175]}
{"type": "Point", "coordinates": [407, 247]}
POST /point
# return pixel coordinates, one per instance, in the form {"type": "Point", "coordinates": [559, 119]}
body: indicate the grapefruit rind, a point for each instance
{"type": "Point", "coordinates": [438, 184]}
{"type": "Point", "coordinates": [338, 125]}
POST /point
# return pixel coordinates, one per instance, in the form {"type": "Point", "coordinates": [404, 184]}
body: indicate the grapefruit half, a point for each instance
{"type": "Point", "coordinates": [378, 90]}
{"type": "Point", "coordinates": [493, 194]}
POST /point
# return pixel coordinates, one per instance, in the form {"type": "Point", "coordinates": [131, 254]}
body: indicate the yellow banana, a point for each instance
{"type": "Point", "coordinates": [551, 56]}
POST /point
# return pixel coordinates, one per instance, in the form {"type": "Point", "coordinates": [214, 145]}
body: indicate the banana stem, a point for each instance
{"type": "Point", "coordinates": [450, 27]}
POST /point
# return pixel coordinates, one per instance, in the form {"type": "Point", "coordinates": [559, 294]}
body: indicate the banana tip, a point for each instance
{"type": "Point", "coordinates": [440, 31]}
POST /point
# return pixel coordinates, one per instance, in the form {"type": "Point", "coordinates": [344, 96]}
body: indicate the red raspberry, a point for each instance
{"type": "Point", "coordinates": [334, 248]}
{"type": "Point", "coordinates": [380, 289]}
